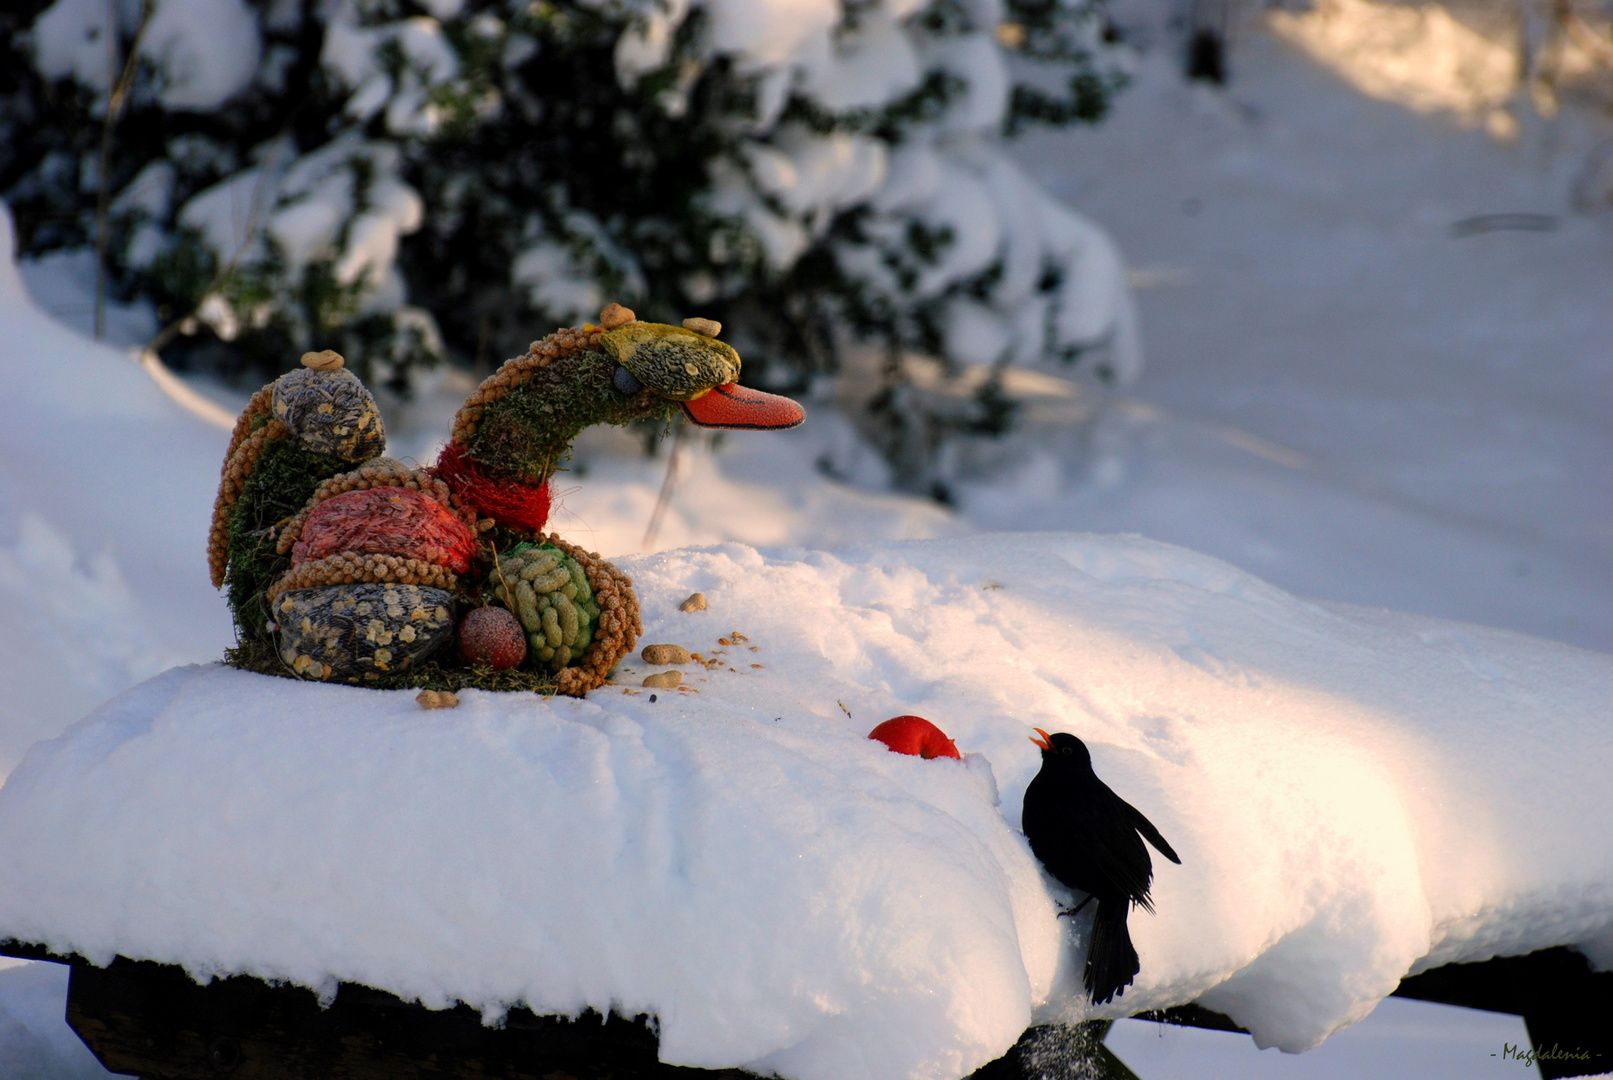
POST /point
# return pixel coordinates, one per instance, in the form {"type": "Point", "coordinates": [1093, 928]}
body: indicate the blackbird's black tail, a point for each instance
{"type": "Point", "coordinates": [1111, 960]}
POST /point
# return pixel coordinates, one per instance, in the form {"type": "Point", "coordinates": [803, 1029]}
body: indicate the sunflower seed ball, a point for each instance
{"type": "Point", "coordinates": [329, 411]}
{"type": "Point", "coordinates": [360, 632]}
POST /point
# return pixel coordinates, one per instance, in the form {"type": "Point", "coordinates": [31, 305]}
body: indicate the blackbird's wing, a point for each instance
{"type": "Point", "coordinates": [1146, 827]}
{"type": "Point", "coordinates": [1087, 840]}
{"type": "Point", "coordinates": [1121, 859]}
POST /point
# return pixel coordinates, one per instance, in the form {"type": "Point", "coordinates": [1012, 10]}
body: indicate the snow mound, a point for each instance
{"type": "Point", "coordinates": [1354, 794]}
{"type": "Point", "coordinates": [105, 484]}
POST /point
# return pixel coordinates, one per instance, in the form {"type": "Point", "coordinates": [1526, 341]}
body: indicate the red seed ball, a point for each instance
{"type": "Point", "coordinates": [491, 637]}
{"type": "Point", "coordinates": [386, 521]}
{"type": "Point", "coordinates": [915, 735]}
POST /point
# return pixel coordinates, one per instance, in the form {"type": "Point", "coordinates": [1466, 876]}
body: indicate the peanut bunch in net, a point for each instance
{"type": "Point", "coordinates": [548, 592]}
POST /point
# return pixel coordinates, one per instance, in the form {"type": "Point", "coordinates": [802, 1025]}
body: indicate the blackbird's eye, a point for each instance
{"type": "Point", "coordinates": [1066, 750]}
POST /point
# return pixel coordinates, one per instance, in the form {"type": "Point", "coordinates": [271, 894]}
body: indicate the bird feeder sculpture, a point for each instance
{"type": "Point", "coordinates": [343, 565]}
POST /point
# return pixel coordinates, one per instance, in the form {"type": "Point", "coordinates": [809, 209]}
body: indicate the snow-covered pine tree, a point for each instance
{"type": "Point", "coordinates": [241, 200]}
{"type": "Point", "coordinates": [820, 175]}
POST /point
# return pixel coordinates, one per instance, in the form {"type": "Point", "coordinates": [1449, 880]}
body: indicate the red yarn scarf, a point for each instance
{"type": "Point", "coordinates": [515, 506]}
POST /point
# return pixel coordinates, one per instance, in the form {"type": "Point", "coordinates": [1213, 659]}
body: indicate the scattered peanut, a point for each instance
{"type": "Point", "coordinates": [437, 699]}
{"type": "Point", "coordinates": [663, 680]}
{"type": "Point", "coordinates": [665, 654]}
{"type": "Point", "coordinates": [696, 602]}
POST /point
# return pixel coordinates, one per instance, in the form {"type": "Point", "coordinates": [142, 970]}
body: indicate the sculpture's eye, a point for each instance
{"type": "Point", "coordinates": [624, 381]}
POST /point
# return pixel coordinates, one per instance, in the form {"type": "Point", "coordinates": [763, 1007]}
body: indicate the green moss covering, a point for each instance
{"type": "Point", "coordinates": [527, 434]}
{"type": "Point", "coordinates": [430, 674]}
{"type": "Point", "coordinates": [280, 485]}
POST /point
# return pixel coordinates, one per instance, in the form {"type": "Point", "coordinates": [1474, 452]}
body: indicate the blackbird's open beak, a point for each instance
{"type": "Point", "coordinates": [1046, 740]}
{"type": "Point", "coordinates": [735, 406]}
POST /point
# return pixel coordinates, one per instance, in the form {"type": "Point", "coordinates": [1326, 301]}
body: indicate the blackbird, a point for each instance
{"type": "Point", "coordinates": [1087, 837]}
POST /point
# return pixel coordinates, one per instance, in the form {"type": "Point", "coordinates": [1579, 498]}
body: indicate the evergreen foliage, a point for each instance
{"type": "Point", "coordinates": [405, 179]}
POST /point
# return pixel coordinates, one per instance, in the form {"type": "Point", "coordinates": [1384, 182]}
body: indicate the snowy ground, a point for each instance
{"type": "Point", "coordinates": [1342, 397]}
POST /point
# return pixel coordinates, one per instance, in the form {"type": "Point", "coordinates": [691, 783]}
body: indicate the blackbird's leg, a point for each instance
{"type": "Point", "coordinates": [1070, 913]}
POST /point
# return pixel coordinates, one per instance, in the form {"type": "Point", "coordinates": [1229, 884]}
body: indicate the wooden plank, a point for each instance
{"type": "Point", "coordinates": [1567, 1008]}
{"type": "Point", "coordinates": [152, 1020]}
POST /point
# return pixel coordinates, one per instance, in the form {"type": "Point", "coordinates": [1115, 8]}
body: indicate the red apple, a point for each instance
{"type": "Point", "coordinates": [492, 637]}
{"type": "Point", "coordinates": [915, 735]}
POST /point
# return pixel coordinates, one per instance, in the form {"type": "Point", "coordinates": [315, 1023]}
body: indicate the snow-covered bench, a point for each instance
{"type": "Point", "coordinates": [1356, 796]}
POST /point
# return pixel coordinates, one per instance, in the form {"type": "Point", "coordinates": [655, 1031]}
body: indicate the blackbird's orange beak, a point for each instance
{"type": "Point", "coordinates": [1046, 740]}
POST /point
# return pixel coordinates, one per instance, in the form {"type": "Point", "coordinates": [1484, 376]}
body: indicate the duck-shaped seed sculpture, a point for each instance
{"type": "Point", "coordinates": [347, 566]}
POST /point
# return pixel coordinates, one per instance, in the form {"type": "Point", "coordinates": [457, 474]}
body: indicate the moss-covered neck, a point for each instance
{"type": "Point", "coordinates": [527, 434]}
